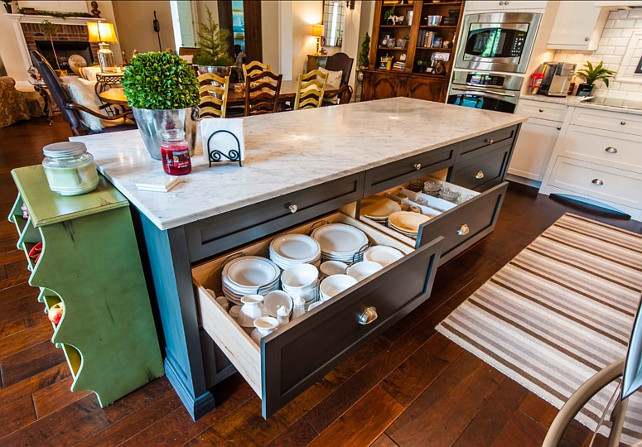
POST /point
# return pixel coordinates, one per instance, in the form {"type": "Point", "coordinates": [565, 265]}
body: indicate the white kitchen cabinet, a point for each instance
{"type": "Point", "coordinates": [577, 26]}
{"type": "Point", "coordinates": [533, 149]}
{"type": "Point", "coordinates": [511, 5]}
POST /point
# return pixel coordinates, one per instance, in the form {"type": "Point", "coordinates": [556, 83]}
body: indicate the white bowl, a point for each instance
{"type": "Point", "coordinates": [382, 254]}
{"type": "Point", "coordinates": [335, 284]}
{"type": "Point", "coordinates": [300, 276]}
{"type": "Point", "coordinates": [276, 299]}
{"type": "Point", "coordinates": [361, 270]}
{"type": "Point", "coordinates": [333, 268]}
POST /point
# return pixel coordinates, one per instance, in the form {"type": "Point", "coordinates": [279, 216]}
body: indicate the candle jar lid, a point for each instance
{"type": "Point", "coordinates": [64, 149]}
{"type": "Point", "coordinates": [173, 135]}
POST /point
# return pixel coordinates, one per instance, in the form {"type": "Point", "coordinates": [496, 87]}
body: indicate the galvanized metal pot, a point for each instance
{"type": "Point", "coordinates": [151, 122]}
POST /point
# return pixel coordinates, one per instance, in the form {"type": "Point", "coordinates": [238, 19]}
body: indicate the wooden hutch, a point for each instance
{"type": "Point", "coordinates": [417, 42]}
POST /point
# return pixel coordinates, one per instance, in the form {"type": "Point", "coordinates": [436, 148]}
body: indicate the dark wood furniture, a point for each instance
{"type": "Point", "coordinates": [316, 61]}
{"type": "Point", "coordinates": [340, 62]}
{"type": "Point", "coordinates": [262, 93]}
{"type": "Point", "coordinates": [411, 81]}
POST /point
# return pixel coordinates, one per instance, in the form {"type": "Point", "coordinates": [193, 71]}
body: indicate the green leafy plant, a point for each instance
{"type": "Point", "coordinates": [591, 74]}
{"type": "Point", "coordinates": [159, 80]}
{"type": "Point", "coordinates": [389, 12]}
{"type": "Point", "coordinates": [49, 29]}
{"type": "Point", "coordinates": [62, 15]}
{"type": "Point", "coordinates": [364, 59]}
{"type": "Point", "coordinates": [214, 46]}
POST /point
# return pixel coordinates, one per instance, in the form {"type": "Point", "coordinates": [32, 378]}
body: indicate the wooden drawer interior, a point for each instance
{"type": "Point", "coordinates": [235, 343]}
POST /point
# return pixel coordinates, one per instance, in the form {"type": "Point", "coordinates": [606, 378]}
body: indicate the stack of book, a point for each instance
{"type": "Point", "coordinates": [425, 38]}
{"type": "Point", "coordinates": [399, 65]}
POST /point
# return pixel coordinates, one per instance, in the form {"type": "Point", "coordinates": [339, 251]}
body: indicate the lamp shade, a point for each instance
{"type": "Point", "coordinates": [102, 32]}
{"type": "Point", "coordinates": [317, 30]}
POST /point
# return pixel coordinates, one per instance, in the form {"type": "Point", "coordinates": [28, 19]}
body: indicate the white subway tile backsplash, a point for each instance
{"type": "Point", "coordinates": [618, 50]}
{"type": "Point", "coordinates": [635, 13]}
{"type": "Point", "coordinates": [606, 50]}
{"type": "Point", "coordinates": [613, 61]}
{"type": "Point", "coordinates": [638, 24]}
{"type": "Point", "coordinates": [604, 41]}
{"type": "Point", "coordinates": [619, 14]}
{"type": "Point", "coordinates": [613, 32]}
{"type": "Point", "coordinates": [630, 87]}
{"type": "Point", "coordinates": [609, 24]}
{"type": "Point", "coordinates": [618, 41]}
{"type": "Point", "coordinates": [624, 23]}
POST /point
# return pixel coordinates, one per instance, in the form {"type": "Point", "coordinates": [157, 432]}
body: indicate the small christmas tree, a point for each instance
{"type": "Point", "coordinates": [364, 60]}
{"type": "Point", "coordinates": [213, 44]}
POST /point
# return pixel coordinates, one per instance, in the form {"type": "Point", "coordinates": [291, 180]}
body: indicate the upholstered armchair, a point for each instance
{"type": "Point", "coordinates": [13, 105]}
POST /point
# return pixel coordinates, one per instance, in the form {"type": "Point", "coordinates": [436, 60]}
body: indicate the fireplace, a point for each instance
{"type": "Point", "coordinates": [64, 49]}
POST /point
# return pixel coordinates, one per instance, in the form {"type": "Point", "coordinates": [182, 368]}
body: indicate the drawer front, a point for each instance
{"type": "Point", "coordinates": [393, 174]}
{"type": "Point", "coordinates": [485, 143]}
{"type": "Point", "coordinates": [603, 146]}
{"type": "Point", "coordinates": [542, 110]}
{"type": "Point", "coordinates": [483, 171]}
{"type": "Point", "coordinates": [221, 233]}
{"type": "Point", "coordinates": [598, 182]}
{"type": "Point", "coordinates": [614, 121]}
{"type": "Point", "coordinates": [465, 224]}
{"type": "Point", "coordinates": [299, 357]}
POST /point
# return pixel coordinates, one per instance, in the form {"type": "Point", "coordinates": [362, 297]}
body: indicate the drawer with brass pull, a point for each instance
{"type": "Point", "coordinates": [300, 353]}
{"type": "Point", "coordinates": [483, 171]}
{"type": "Point", "coordinates": [597, 181]}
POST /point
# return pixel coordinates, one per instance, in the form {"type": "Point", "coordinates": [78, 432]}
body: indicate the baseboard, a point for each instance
{"type": "Point", "coordinates": [197, 406]}
{"type": "Point", "coordinates": [523, 180]}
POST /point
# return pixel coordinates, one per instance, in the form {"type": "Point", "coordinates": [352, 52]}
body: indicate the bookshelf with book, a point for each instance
{"type": "Point", "coordinates": [412, 49]}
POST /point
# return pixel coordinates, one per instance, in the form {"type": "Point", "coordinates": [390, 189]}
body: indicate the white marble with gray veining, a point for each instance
{"type": "Point", "coordinates": [289, 151]}
{"type": "Point", "coordinates": [615, 105]}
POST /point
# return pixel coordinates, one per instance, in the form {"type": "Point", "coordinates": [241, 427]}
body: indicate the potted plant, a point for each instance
{"type": "Point", "coordinates": [49, 29]}
{"type": "Point", "coordinates": [214, 53]}
{"type": "Point", "coordinates": [387, 16]}
{"type": "Point", "coordinates": [162, 90]}
{"type": "Point", "coordinates": [591, 74]}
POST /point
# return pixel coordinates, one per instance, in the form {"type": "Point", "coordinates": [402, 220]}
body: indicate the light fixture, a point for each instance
{"type": "Point", "coordinates": [317, 31]}
{"type": "Point", "coordinates": [103, 33]}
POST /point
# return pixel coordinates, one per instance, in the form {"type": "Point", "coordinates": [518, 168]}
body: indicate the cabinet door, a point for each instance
{"type": "Point", "coordinates": [533, 149]}
{"type": "Point", "coordinates": [428, 89]}
{"type": "Point", "coordinates": [382, 85]}
{"type": "Point", "coordinates": [577, 26]}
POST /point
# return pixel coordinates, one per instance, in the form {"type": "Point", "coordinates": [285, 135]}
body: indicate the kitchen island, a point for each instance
{"type": "Point", "coordinates": [300, 168]}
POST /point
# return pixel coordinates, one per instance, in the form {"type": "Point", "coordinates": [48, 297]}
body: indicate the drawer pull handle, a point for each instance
{"type": "Point", "coordinates": [611, 150]}
{"type": "Point", "coordinates": [293, 208]}
{"type": "Point", "coordinates": [417, 166]}
{"type": "Point", "coordinates": [586, 39]}
{"type": "Point", "coordinates": [559, 127]}
{"type": "Point", "coordinates": [489, 140]}
{"type": "Point", "coordinates": [463, 230]}
{"type": "Point", "coordinates": [480, 174]}
{"type": "Point", "coordinates": [368, 315]}
{"type": "Point", "coordinates": [541, 110]}
{"type": "Point", "coordinates": [622, 123]}
{"type": "Point", "coordinates": [597, 181]}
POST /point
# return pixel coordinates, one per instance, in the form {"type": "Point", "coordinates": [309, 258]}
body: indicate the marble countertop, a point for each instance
{"type": "Point", "coordinates": [289, 151]}
{"type": "Point", "coordinates": [614, 105]}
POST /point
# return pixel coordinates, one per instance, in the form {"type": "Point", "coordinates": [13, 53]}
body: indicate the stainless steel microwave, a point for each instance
{"type": "Point", "coordinates": [497, 41]}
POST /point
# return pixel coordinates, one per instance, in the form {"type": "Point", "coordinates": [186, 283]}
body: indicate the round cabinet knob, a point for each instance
{"type": "Point", "coordinates": [417, 166]}
{"type": "Point", "coordinates": [480, 174]}
{"type": "Point", "coordinates": [559, 127]}
{"type": "Point", "coordinates": [541, 110]}
{"type": "Point", "coordinates": [586, 39]}
{"type": "Point", "coordinates": [611, 150]}
{"type": "Point", "coordinates": [463, 230]}
{"type": "Point", "coordinates": [597, 181]}
{"type": "Point", "coordinates": [368, 315]}
{"type": "Point", "coordinates": [293, 208]}
{"type": "Point", "coordinates": [622, 123]}
{"type": "Point", "coordinates": [489, 141]}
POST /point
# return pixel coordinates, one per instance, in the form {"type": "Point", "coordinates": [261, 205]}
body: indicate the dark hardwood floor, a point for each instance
{"type": "Point", "coordinates": [409, 387]}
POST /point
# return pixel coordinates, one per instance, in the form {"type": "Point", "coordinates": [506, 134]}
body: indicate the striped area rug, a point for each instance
{"type": "Point", "coordinates": [559, 311]}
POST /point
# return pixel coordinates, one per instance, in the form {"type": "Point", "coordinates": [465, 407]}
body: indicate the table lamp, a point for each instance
{"type": "Point", "coordinates": [317, 31]}
{"type": "Point", "coordinates": [103, 33]}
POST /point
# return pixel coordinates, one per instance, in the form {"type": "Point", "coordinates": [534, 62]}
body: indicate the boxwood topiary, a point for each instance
{"type": "Point", "coordinates": [159, 80]}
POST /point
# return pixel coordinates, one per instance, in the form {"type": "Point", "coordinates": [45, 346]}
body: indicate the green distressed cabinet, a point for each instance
{"type": "Point", "coordinates": [90, 262]}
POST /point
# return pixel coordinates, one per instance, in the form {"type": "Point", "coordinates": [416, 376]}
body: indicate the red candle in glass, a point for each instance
{"type": "Point", "coordinates": [175, 152]}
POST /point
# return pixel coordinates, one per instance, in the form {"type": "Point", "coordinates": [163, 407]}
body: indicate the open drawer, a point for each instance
{"type": "Point", "coordinates": [461, 226]}
{"type": "Point", "coordinates": [300, 353]}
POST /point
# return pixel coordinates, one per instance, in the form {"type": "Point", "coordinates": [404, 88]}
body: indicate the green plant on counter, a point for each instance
{"type": "Point", "coordinates": [591, 74]}
{"type": "Point", "coordinates": [213, 42]}
{"type": "Point", "coordinates": [160, 80]}
{"type": "Point", "coordinates": [364, 59]}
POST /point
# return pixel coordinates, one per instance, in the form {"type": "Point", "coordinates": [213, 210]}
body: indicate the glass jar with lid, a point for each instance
{"type": "Point", "coordinates": [175, 152]}
{"type": "Point", "coordinates": [69, 168]}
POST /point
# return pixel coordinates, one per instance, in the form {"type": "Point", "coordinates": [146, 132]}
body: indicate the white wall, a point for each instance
{"type": "Point", "coordinates": [623, 30]}
{"type": "Point", "coordinates": [107, 12]}
{"type": "Point", "coordinates": [304, 15]}
{"type": "Point", "coordinates": [270, 34]}
{"type": "Point", "coordinates": [135, 31]}
{"type": "Point", "coordinates": [10, 50]}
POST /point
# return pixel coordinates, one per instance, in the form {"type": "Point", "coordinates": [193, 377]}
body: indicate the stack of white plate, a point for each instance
{"type": "Point", "coordinates": [292, 249]}
{"type": "Point", "coordinates": [407, 223]}
{"type": "Point", "coordinates": [378, 208]}
{"type": "Point", "coordinates": [341, 242]}
{"type": "Point", "coordinates": [382, 254]}
{"type": "Point", "coordinates": [249, 275]}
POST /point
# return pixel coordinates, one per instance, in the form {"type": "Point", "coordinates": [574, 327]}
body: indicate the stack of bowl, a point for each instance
{"type": "Point", "coordinates": [249, 275]}
{"type": "Point", "coordinates": [301, 283]}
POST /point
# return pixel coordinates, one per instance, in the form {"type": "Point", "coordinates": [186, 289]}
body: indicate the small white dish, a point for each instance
{"type": "Point", "coordinates": [382, 254]}
{"type": "Point", "coordinates": [250, 310]}
{"type": "Point", "coordinates": [300, 276]}
{"type": "Point", "coordinates": [334, 285]}
{"type": "Point", "coordinates": [276, 299]}
{"type": "Point", "coordinates": [329, 268]}
{"type": "Point", "coordinates": [361, 270]}
{"type": "Point", "coordinates": [263, 326]}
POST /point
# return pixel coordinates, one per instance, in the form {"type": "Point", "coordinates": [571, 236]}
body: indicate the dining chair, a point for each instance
{"type": "Point", "coordinates": [262, 93]}
{"type": "Point", "coordinates": [213, 91]}
{"type": "Point", "coordinates": [253, 68]}
{"type": "Point", "coordinates": [340, 62]}
{"type": "Point", "coordinates": [310, 90]}
{"type": "Point", "coordinates": [69, 109]}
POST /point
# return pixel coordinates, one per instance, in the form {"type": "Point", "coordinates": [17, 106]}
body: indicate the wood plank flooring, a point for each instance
{"type": "Point", "coordinates": [409, 387]}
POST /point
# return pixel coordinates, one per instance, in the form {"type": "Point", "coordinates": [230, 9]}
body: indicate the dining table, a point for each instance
{"type": "Point", "coordinates": [117, 96]}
